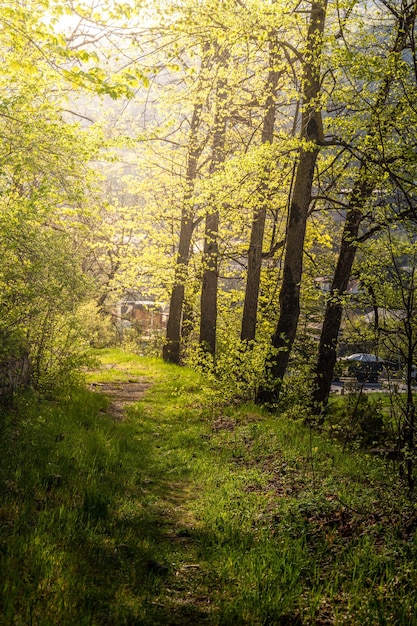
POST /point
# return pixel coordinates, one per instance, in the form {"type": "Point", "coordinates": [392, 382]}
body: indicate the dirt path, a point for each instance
{"type": "Point", "coordinates": [121, 395]}
{"type": "Point", "coordinates": [173, 535]}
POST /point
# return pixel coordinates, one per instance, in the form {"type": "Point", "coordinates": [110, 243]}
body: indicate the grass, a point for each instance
{"type": "Point", "coordinates": [192, 512]}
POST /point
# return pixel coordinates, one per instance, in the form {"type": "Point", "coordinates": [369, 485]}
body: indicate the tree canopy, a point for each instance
{"type": "Point", "coordinates": [219, 159]}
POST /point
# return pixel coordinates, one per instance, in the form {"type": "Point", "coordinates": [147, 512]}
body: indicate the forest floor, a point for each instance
{"type": "Point", "coordinates": [121, 395]}
{"type": "Point", "coordinates": [146, 499]}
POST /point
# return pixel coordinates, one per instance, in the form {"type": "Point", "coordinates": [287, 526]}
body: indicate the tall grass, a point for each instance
{"type": "Point", "coordinates": [192, 512]}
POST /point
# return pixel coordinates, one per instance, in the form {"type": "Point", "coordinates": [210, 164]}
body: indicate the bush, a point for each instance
{"type": "Point", "coordinates": [98, 328]}
{"type": "Point", "coordinates": [236, 373]}
{"type": "Point", "coordinates": [357, 420]}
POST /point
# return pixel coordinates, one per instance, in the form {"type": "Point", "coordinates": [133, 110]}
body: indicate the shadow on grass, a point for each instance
{"type": "Point", "coordinates": [92, 532]}
{"type": "Point", "coordinates": [101, 522]}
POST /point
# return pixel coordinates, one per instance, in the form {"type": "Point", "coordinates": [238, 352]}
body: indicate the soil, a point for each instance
{"type": "Point", "coordinates": [121, 395]}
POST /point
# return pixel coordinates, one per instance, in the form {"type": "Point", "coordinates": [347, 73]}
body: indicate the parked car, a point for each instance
{"type": "Point", "coordinates": [365, 367]}
{"type": "Point", "coordinates": [413, 373]}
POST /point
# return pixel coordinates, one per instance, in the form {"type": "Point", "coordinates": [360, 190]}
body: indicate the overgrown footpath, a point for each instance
{"type": "Point", "coordinates": [179, 510]}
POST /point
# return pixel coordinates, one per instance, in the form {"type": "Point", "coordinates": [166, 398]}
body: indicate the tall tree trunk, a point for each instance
{"type": "Point", "coordinates": [311, 131]}
{"type": "Point", "coordinates": [250, 306]}
{"type": "Point", "coordinates": [208, 314]}
{"type": "Point", "coordinates": [410, 412]}
{"type": "Point", "coordinates": [361, 192]}
{"type": "Point", "coordinates": [334, 308]}
{"type": "Point", "coordinates": [171, 349]}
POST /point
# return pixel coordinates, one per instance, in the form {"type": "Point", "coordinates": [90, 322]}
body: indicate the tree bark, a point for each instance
{"type": "Point", "coordinates": [208, 319]}
{"type": "Point", "coordinates": [361, 192]}
{"type": "Point", "coordinates": [334, 308]}
{"type": "Point", "coordinates": [312, 132]}
{"type": "Point", "coordinates": [172, 347]}
{"type": "Point", "coordinates": [208, 301]}
{"type": "Point", "coordinates": [250, 306]}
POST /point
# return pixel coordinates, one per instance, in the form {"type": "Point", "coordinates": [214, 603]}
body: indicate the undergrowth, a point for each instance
{"type": "Point", "coordinates": [188, 511]}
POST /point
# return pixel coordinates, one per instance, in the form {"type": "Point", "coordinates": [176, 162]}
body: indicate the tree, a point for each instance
{"type": "Point", "coordinates": [388, 274]}
{"type": "Point", "coordinates": [253, 276]}
{"type": "Point", "coordinates": [208, 314]}
{"type": "Point", "coordinates": [172, 346]}
{"type": "Point", "coordinates": [400, 332]}
{"type": "Point", "coordinates": [43, 183]}
{"type": "Point", "coordinates": [46, 190]}
{"type": "Point", "coordinates": [360, 197]}
{"type": "Point", "coordinates": [311, 139]}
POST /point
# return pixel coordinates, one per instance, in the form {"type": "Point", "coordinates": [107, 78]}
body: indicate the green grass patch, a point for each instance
{"type": "Point", "coordinates": [189, 512]}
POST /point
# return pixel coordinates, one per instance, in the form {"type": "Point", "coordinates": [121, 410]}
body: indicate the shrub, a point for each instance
{"type": "Point", "coordinates": [357, 419]}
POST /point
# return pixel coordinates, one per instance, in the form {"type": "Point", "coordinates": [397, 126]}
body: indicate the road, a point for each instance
{"type": "Point", "coordinates": [383, 386]}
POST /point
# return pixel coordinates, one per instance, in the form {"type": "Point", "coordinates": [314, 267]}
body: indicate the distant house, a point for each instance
{"type": "Point", "coordinates": [135, 310]}
{"type": "Point", "coordinates": [324, 283]}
